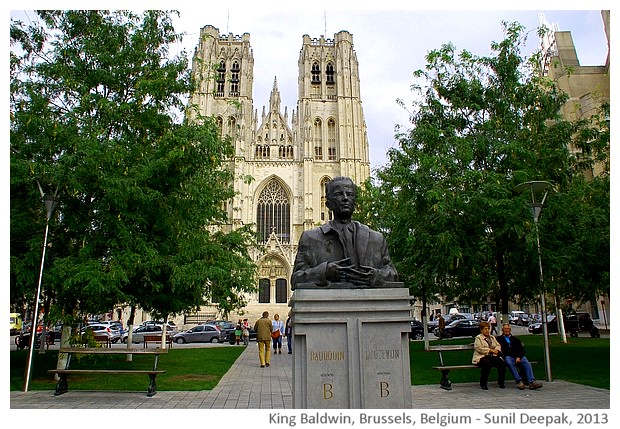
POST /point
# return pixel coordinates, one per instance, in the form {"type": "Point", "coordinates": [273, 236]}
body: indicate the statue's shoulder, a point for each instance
{"type": "Point", "coordinates": [317, 231]}
{"type": "Point", "coordinates": [365, 228]}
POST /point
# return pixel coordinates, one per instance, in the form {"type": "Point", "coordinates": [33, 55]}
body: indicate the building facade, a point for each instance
{"type": "Point", "coordinates": [588, 88]}
{"type": "Point", "coordinates": [282, 162]}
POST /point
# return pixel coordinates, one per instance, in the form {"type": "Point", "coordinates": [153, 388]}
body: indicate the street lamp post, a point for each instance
{"type": "Point", "coordinates": [536, 188]}
{"type": "Point", "coordinates": [50, 204]}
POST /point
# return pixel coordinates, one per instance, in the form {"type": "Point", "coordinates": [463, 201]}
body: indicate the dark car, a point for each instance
{"type": "Point", "coordinates": [573, 324]}
{"type": "Point", "coordinates": [232, 338]}
{"type": "Point", "coordinates": [417, 330]}
{"type": "Point", "coordinates": [552, 325]}
{"type": "Point", "coordinates": [449, 318]}
{"type": "Point", "coordinates": [460, 328]}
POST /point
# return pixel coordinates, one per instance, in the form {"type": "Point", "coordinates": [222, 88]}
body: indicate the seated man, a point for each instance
{"type": "Point", "coordinates": [513, 353]}
{"type": "Point", "coordinates": [487, 354]}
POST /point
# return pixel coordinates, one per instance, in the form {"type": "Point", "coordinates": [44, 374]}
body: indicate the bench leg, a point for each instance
{"type": "Point", "coordinates": [152, 386]}
{"type": "Point", "coordinates": [445, 382]}
{"type": "Point", "coordinates": [62, 386]}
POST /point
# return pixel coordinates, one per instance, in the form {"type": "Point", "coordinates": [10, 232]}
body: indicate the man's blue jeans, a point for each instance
{"type": "Point", "coordinates": [513, 367]}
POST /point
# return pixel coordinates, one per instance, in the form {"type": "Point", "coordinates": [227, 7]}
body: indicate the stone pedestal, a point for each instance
{"type": "Point", "coordinates": [351, 348]}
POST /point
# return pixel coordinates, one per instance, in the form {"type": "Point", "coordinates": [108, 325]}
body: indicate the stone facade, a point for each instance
{"type": "Point", "coordinates": [588, 87]}
{"type": "Point", "coordinates": [282, 163]}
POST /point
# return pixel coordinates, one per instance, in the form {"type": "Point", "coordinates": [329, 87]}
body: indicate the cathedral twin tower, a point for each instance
{"type": "Point", "coordinates": [290, 163]}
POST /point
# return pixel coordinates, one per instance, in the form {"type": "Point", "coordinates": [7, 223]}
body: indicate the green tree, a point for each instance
{"type": "Point", "coordinates": [482, 125]}
{"type": "Point", "coordinates": [96, 110]}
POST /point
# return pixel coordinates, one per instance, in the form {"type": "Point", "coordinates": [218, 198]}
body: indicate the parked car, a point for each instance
{"type": "Point", "coordinates": [460, 328]}
{"type": "Point", "coordinates": [449, 318]}
{"type": "Point", "coordinates": [232, 338]}
{"type": "Point", "coordinates": [573, 324]}
{"type": "Point", "coordinates": [204, 333]}
{"type": "Point", "coordinates": [99, 329]}
{"type": "Point", "coordinates": [115, 325]}
{"type": "Point", "coordinates": [225, 325]}
{"type": "Point", "coordinates": [54, 332]}
{"type": "Point", "coordinates": [171, 325]}
{"type": "Point", "coordinates": [578, 322]}
{"type": "Point", "coordinates": [523, 320]}
{"type": "Point", "coordinates": [138, 333]}
{"type": "Point", "coordinates": [22, 340]}
{"type": "Point", "coordinates": [552, 325]}
{"type": "Point", "coordinates": [515, 316]}
{"type": "Point", "coordinates": [417, 330]}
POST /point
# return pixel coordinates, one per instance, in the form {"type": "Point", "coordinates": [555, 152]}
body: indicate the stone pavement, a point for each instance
{"type": "Point", "coordinates": [247, 386]}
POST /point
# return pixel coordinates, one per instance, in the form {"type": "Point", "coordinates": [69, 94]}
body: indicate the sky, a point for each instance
{"type": "Point", "coordinates": [391, 42]}
{"type": "Point", "coordinates": [390, 46]}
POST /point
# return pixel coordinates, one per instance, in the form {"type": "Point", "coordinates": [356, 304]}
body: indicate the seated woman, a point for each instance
{"type": "Point", "coordinates": [487, 354]}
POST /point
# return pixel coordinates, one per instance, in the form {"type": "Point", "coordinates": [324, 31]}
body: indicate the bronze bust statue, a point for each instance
{"type": "Point", "coordinates": [342, 253]}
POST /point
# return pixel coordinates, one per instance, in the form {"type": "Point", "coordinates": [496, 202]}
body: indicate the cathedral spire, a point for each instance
{"type": "Point", "coordinates": [274, 98]}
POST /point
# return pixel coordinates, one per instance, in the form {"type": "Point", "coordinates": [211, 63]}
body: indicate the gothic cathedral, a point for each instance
{"type": "Point", "coordinates": [289, 160]}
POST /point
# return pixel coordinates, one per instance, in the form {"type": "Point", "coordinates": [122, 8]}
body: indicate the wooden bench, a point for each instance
{"type": "Point", "coordinates": [445, 382]}
{"type": "Point", "coordinates": [156, 339]}
{"type": "Point", "coordinates": [62, 386]}
{"type": "Point", "coordinates": [104, 340]}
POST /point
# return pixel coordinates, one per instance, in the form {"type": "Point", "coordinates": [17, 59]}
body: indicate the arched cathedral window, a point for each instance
{"type": "Point", "coordinates": [331, 139]}
{"type": "Point", "coordinates": [264, 289]}
{"type": "Point", "coordinates": [234, 80]}
{"type": "Point", "coordinates": [326, 214]}
{"type": "Point", "coordinates": [281, 291]}
{"type": "Point", "coordinates": [232, 127]}
{"type": "Point", "coordinates": [316, 72]}
{"type": "Point", "coordinates": [221, 79]}
{"type": "Point", "coordinates": [273, 213]}
{"type": "Point", "coordinates": [329, 73]}
{"type": "Point", "coordinates": [318, 139]}
{"type": "Point", "coordinates": [219, 122]}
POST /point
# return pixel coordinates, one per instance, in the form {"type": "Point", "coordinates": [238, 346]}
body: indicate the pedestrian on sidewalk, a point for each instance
{"type": "Point", "coordinates": [245, 331]}
{"type": "Point", "coordinates": [493, 323]}
{"type": "Point", "coordinates": [288, 331]}
{"type": "Point", "coordinates": [263, 339]}
{"type": "Point", "coordinates": [238, 332]}
{"type": "Point", "coordinates": [277, 332]}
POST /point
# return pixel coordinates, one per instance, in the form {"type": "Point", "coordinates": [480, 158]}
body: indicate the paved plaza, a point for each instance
{"type": "Point", "coordinates": [247, 386]}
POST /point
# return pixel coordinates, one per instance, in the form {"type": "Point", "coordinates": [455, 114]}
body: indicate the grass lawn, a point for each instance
{"type": "Point", "coordinates": [582, 360]}
{"type": "Point", "coordinates": [186, 369]}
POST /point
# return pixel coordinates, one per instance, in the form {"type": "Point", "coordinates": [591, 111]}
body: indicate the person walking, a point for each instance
{"type": "Point", "coordinates": [245, 332]}
{"type": "Point", "coordinates": [238, 332]}
{"type": "Point", "coordinates": [493, 322]}
{"type": "Point", "coordinates": [263, 339]}
{"type": "Point", "coordinates": [442, 327]}
{"type": "Point", "coordinates": [277, 332]}
{"type": "Point", "coordinates": [288, 331]}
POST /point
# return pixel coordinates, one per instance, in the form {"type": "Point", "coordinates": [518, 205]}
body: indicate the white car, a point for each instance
{"type": "Point", "coordinates": [100, 329]}
{"type": "Point", "coordinates": [515, 316]}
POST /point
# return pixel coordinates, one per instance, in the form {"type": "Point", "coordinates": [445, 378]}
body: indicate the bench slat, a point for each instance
{"type": "Point", "coordinates": [104, 371]}
{"type": "Point", "coordinates": [112, 351]}
{"type": "Point", "coordinates": [451, 347]}
{"type": "Point", "coordinates": [449, 367]}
